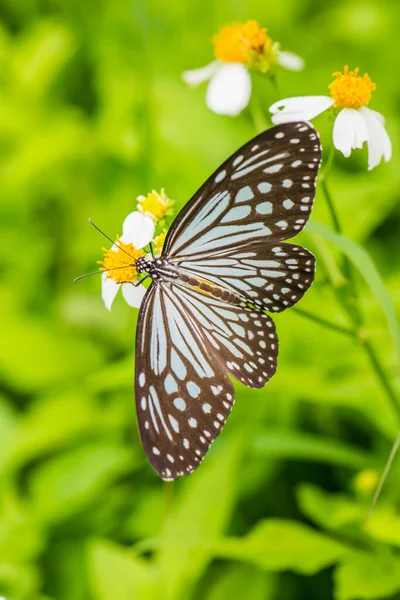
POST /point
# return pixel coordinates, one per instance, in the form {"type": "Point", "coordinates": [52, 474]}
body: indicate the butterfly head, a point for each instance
{"type": "Point", "coordinates": [143, 265]}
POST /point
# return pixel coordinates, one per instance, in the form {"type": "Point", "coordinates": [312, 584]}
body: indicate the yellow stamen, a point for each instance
{"type": "Point", "coordinates": [159, 242]}
{"type": "Point", "coordinates": [349, 90]}
{"type": "Point", "coordinates": [123, 256]}
{"type": "Point", "coordinates": [154, 204]}
{"type": "Point", "coordinates": [234, 43]}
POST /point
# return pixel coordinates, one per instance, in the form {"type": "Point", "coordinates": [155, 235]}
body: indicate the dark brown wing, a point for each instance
{"type": "Point", "coordinates": [263, 192]}
{"type": "Point", "coordinates": [186, 344]}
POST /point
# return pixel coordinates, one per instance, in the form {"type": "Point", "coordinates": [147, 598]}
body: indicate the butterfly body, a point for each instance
{"type": "Point", "coordinates": [162, 271]}
{"type": "Point", "coordinates": [224, 264]}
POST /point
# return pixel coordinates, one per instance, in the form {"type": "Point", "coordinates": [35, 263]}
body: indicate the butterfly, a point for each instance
{"type": "Point", "coordinates": [223, 267]}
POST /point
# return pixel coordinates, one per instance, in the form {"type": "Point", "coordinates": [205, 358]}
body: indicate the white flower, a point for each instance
{"type": "Point", "coordinates": [354, 124]}
{"type": "Point", "coordinates": [137, 232]}
{"type": "Point", "coordinates": [229, 90]}
{"type": "Point", "coordinates": [239, 48]}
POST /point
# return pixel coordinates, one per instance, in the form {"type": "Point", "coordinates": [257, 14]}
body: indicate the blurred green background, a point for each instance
{"type": "Point", "coordinates": [93, 113]}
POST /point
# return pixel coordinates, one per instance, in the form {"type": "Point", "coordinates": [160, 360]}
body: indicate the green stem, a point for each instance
{"type": "Point", "coordinates": [351, 305]}
{"type": "Point", "coordinates": [356, 318]}
{"type": "Point", "coordinates": [381, 375]}
{"type": "Point", "coordinates": [257, 115]}
{"type": "Point", "coordinates": [276, 87]}
{"type": "Point", "coordinates": [382, 480]}
{"type": "Point", "coordinates": [168, 487]}
{"type": "Point", "coordinates": [331, 207]}
{"type": "Point", "coordinates": [338, 328]}
{"type": "Point", "coordinates": [328, 165]}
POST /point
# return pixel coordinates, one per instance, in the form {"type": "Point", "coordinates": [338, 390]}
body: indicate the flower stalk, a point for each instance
{"type": "Point", "coordinates": [349, 303]}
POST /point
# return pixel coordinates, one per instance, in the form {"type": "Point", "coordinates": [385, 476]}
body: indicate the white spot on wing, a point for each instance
{"type": "Point", "coordinates": [193, 389]}
{"type": "Point", "coordinates": [264, 187]}
{"type": "Point", "coordinates": [174, 423]}
{"type": "Point", "coordinates": [220, 176]}
{"type": "Point", "coordinates": [180, 404]}
{"type": "Point", "coordinates": [264, 208]}
{"type": "Point", "coordinates": [273, 168]}
{"type": "Point", "coordinates": [236, 214]}
{"type": "Point", "coordinates": [170, 384]}
{"type": "Point", "coordinates": [244, 194]}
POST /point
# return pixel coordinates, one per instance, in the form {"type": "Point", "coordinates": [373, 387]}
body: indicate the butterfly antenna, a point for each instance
{"type": "Point", "coordinates": [100, 272]}
{"type": "Point", "coordinates": [112, 241]}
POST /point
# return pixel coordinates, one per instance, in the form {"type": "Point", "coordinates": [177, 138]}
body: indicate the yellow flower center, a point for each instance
{"type": "Point", "coordinates": [159, 242]}
{"type": "Point", "coordinates": [154, 204]}
{"type": "Point", "coordinates": [349, 90]}
{"type": "Point", "coordinates": [234, 43]}
{"type": "Point", "coordinates": [121, 262]}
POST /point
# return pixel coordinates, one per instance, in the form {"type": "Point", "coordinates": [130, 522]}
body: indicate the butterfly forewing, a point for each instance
{"type": "Point", "coordinates": [183, 396]}
{"type": "Point", "coordinates": [186, 343]}
{"type": "Point", "coordinates": [265, 191]}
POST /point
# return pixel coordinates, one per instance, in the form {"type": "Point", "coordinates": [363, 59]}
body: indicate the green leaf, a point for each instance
{"type": "Point", "coordinates": [280, 545]}
{"type": "Point", "coordinates": [200, 514]}
{"type": "Point", "coordinates": [22, 537]}
{"type": "Point", "coordinates": [8, 426]}
{"type": "Point", "coordinates": [243, 581]}
{"type": "Point", "coordinates": [331, 511]}
{"type": "Point", "coordinates": [362, 261]}
{"type": "Point", "coordinates": [65, 484]}
{"type": "Point", "coordinates": [41, 54]}
{"type": "Point", "coordinates": [118, 574]}
{"type": "Point", "coordinates": [40, 357]}
{"type": "Point", "coordinates": [18, 581]}
{"type": "Point", "coordinates": [303, 446]}
{"type": "Point", "coordinates": [384, 525]}
{"type": "Point", "coordinates": [367, 576]}
{"type": "Point", "coordinates": [58, 420]}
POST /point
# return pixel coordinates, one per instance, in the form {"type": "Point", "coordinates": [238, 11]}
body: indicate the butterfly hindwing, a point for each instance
{"type": "Point", "coordinates": [243, 340]}
{"type": "Point", "coordinates": [272, 277]}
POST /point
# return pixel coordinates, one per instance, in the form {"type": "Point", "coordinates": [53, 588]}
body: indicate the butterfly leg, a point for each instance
{"type": "Point", "coordinates": [140, 281]}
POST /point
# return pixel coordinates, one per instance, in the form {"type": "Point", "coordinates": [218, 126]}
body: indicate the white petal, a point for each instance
{"type": "Point", "coordinates": [138, 229]}
{"type": "Point", "coordinates": [299, 108]}
{"type": "Point", "coordinates": [197, 76]}
{"type": "Point", "coordinates": [349, 131]}
{"type": "Point", "coordinates": [133, 295]}
{"type": "Point", "coordinates": [291, 61]}
{"type": "Point", "coordinates": [109, 289]}
{"type": "Point", "coordinates": [379, 144]}
{"type": "Point", "coordinates": [229, 90]}
{"type": "Point", "coordinates": [377, 114]}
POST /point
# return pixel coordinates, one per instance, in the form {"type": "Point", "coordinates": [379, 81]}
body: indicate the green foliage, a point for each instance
{"type": "Point", "coordinates": [368, 576]}
{"type": "Point", "coordinates": [93, 113]}
{"type": "Point", "coordinates": [118, 573]}
{"type": "Point", "coordinates": [282, 545]}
